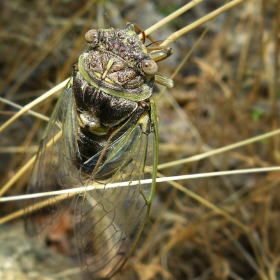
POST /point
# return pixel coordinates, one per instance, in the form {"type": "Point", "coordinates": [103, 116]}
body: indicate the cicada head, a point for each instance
{"type": "Point", "coordinates": [118, 63]}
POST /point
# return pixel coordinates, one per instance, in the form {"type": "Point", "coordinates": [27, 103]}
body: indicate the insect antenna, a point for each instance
{"type": "Point", "coordinates": [111, 26]}
{"type": "Point", "coordinates": [158, 42]}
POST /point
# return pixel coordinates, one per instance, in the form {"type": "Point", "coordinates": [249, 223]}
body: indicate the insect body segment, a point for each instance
{"type": "Point", "coordinates": [109, 135]}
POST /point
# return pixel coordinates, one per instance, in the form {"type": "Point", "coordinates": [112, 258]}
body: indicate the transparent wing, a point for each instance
{"type": "Point", "coordinates": [110, 220]}
{"type": "Point", "coordinates": [54, 168]}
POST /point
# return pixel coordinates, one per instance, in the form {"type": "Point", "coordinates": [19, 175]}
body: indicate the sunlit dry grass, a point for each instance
{"type": "Point", "coordinates": [225, 92]}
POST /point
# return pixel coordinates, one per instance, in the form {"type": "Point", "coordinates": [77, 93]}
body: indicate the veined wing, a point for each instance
{"type": "Point", "coordinates": [54, 168]}
{"type": "Point", "coordinates": [109, 220]}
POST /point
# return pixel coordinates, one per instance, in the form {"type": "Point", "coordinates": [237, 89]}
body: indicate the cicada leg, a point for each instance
{"type": "Point", "coordinates": [158, 53]}
{"type": "Point", "coordinates": [144, 36]}
{"type": "Point", "coordinates": [161, 53]}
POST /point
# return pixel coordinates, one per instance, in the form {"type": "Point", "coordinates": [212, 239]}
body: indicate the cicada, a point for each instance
{"type": "Point", "coordinates": [103, 130]}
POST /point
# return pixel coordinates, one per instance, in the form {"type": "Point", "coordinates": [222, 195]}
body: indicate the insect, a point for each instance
{"type": "Point", "coordinates": [103, 130]}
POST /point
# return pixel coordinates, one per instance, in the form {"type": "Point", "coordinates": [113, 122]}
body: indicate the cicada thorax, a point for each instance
{"type": "Point", "coordinates": [102, 120]}
{"type": "Point", "coordinates": [112, 94]}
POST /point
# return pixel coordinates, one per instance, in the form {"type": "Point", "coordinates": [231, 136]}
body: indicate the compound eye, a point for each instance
{"type": "Point", "coordinates": [149, 67]}
{"type": "Point", "coordinates": [91, 36]}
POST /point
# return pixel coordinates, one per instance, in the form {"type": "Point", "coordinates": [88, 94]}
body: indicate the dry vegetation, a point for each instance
{"type": "Point", "coordinates": [228, 91]}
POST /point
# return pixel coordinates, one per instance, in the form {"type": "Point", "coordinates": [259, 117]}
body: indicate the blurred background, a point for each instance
{"type": "Point", "coordinates": [227, 91]}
